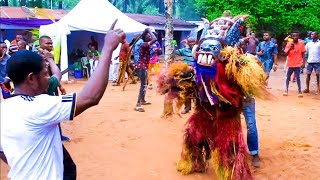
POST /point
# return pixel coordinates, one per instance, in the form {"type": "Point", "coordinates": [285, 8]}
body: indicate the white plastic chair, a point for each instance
{"type": "Point", "coordinates": [84, 67]}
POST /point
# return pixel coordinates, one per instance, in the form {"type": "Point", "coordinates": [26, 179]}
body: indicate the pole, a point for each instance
{"type": "Point", "coordinates": [169, 49]}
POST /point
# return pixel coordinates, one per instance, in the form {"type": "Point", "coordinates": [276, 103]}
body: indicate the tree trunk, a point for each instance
{"type": "Point", "coordinates": [248, 29]}
{"type": "Point", "coordinates": [14, 3]}
{"type": "Point", "coordinates": [169, 50]}
{"type": "Point", "coordinates": [161, 6]}
{"type": "Point", "coordinates": [60, 5]}
{"type": "Point", "coordinates": [23, 3]}
{"type": "Point", "coordinates": [39, 3]}
{"type": "Point", "coordinates": [6, 3]}
{"type": "Point", "coordinates": [125, 6]}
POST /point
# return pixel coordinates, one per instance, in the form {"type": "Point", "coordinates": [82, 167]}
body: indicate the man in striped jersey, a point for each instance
{"type": "Point", "coordinates": [30, 137]}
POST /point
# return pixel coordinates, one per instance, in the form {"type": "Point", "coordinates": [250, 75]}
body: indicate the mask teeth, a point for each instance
{"type": "Point", "coordinates": [199, 58]}
{"type": "Point", "coordinates": [204, 59]}
{"type": "Point", "coordinates": [210, 60]}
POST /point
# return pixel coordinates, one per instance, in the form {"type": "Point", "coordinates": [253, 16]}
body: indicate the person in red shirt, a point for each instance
{"type": "Point", "coordinates": [93, 43]}
{"type": "Point", "coordinates": [124, 66]}
{"type": "Point", "coordinates": [295, 52]}
{"type": "Point", "coordinates": [142, 67]}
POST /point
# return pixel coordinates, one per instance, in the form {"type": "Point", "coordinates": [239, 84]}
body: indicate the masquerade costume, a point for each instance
{"type": "Point", "coordinates": [220, 80]}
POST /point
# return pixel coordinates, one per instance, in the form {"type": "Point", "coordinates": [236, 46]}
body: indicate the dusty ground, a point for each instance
{"type": "Point", "coordinates": [112, 141]}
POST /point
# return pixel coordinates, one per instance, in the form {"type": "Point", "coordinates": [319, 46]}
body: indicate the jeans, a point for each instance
{"type": "Point", "coordinates": [296, 71]}
{"type": "Point", "coordinates": [313, 66]}
{"type": "Point", "coordinates": [249, 111]}
{"type": "Point", "coordinates": [143, 76]}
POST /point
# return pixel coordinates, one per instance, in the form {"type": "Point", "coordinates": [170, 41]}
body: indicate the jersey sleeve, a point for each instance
{"type": "Point", "coordinates": [54, 109]}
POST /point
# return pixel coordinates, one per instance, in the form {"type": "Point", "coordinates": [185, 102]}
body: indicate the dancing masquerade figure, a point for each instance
{"type": "Point", "coordinates": [222, 76]}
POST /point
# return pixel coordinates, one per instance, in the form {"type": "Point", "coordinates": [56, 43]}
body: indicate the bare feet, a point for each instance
{"type": "Point", "coordinates": [256, 161]}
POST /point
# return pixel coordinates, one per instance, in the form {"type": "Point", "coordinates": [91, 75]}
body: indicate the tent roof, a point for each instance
{"type": "Point", "coordinates": [97, 16]}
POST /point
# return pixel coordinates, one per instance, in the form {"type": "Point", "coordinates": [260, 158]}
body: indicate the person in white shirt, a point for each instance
{"type": "Point", "coordinates": [313, 54]}
{"type": "Point", "coordinates": [30, 138]}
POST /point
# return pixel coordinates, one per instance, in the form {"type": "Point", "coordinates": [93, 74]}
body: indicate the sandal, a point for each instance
{"type": "Point", "coordinates": [145, 103]}
{"type": "Point", "coordinates": [139, 108]}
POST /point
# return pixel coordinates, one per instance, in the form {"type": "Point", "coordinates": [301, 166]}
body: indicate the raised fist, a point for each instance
{"type": "Point", "coordinates": [113, 37]}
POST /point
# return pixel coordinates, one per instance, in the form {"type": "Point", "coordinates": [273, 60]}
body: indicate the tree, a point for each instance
{"type": "Point", "coordinates": [4, 2]}
{"type": "Point", "coordinates": [133, 6]}
{"type": "Point", "coordinates": [169, 51]}
{"type": "Point", "coordinates": [279, 17]}
{"type": "Point", "coordinates": [185, 9]}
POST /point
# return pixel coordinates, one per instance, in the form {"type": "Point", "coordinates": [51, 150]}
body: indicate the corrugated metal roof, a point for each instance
{"type": "Point", "coordinates": [17, 12]}
{"type": "Point", "coordinates": [157, 20]}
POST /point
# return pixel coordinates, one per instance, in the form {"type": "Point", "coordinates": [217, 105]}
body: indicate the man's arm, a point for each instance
{"type": "Point", "coordinates": [259, 50]}
{"type": "Point", "coordinates": [52, 65]}
{"type": "Point", "coordinates": [153, 37]}
{"type": "Point", "coordinates": [96, 85]}
{"type": "Point", "coordinates": [62, 89]}
{"type": "Point", "coordinates": [305, 56]}
{"type": "Point", "coordinates": [288, 48]}
{"type": "Point", "coordinates": [54, 69]}
{"type": "Point", "coordinates": [275, 59]}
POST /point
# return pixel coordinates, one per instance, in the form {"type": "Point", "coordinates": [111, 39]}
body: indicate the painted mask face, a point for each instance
{"type": "Point", "coordinates": [209, 52]}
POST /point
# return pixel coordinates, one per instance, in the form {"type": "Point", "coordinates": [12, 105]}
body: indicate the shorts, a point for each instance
{"type": "Point", "coordinates": [313, 66]}
{"type": "Point", "coordinates": [267, 65]}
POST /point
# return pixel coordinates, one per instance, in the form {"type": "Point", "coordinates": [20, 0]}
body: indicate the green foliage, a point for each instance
{"type": "Point", "coordinates": [277, 16]}
{"type": "Point", "coordinates": [152, 10]}
{"type": "Point", "coordinates": [185, 9]}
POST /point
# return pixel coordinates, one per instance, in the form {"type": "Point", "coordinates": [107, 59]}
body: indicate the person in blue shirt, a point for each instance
{"type": "Point", "coordinates": [306, 40]}
{"type": "Point", "coordinates": [3, 63]}
{"type": "Point", "coordinates": [267, 52]}
{"type": "Point", "coordinates": [136, 49]}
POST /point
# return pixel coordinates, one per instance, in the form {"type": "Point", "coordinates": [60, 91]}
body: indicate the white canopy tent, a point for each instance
{"type": "Point", "coordinates": [88, 15]}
